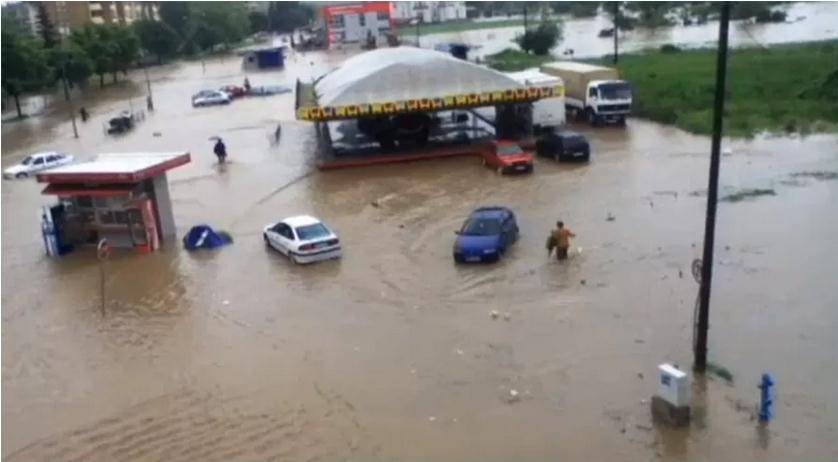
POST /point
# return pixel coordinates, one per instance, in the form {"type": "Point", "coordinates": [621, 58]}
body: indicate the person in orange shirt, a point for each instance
{"type": "Point", "coordinates": [561, 238]}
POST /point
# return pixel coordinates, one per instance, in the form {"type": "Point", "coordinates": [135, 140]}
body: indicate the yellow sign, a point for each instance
{"type": "Point", "coordinates": [518, 95]}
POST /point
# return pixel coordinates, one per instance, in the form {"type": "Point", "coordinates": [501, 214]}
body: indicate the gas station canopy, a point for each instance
{"type": "Point", "coordinates": [407, 79]}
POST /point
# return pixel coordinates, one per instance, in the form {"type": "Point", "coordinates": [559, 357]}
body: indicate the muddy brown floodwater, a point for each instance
{"type": "Point", "coordinates": [390, 353]}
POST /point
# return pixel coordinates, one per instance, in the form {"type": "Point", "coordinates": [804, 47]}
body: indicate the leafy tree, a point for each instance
{"type": "Point", "coordinates": [652, 14]}
{"type": "Point", "coordinates": [96, 43]}
{"type": "Point", "coordinates": [72, 59]}
{"type": "Point", "coordinates": [258, 21]}
{"type": "Point", "coordinates": [541, 39]}
{"type": "Point", "coordinates": [287, 16]}
{"type": "Point", "coordinates": [126, 49]}
{"type": "Point", "coordinates": [218, 23]}
{"type": "Point", "coordinates": [24, 66]}
{"type": "Point", "coordinates": [47, 28]}
{"type": "Point", "coordinates": [584, 9]}
{"type": "Point", "coordinates": [157, 38]}
{"type": "Point", "coordinates": [177, 15]}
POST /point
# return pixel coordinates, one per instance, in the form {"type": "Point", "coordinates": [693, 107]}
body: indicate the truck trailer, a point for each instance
{"type": "Point", "coordinates": [595, 93]}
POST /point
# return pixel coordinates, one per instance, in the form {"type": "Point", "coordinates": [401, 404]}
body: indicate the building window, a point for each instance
{"type": "Point", "coordinates": [384, 17]}
{"type": "Point", "coordinates": [336, 21]}
{"type": "Point", "coordinates": [362, 19]}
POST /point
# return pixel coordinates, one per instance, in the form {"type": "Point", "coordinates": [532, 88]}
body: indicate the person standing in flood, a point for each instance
{"type": "Point", "coordinates": [220, 151]}
{"type": "Point", "coordinates": [560, 238]}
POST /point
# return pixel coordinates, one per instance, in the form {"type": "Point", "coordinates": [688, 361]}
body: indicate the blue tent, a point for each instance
{"type": "Point", "coordinates": [204, 237]}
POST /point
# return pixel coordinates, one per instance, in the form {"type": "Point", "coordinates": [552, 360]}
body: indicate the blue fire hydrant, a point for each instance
{"type": "Point", "coordinates": [766, 398]}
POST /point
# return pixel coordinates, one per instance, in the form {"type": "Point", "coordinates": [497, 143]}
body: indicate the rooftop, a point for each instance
{"type": "Point", "coordinates": [116, 168]}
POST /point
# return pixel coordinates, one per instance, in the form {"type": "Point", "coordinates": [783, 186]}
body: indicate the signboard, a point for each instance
{"type": "Point", "coordinates": [517, 95]}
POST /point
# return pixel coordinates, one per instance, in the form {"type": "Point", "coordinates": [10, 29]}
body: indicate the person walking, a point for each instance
{"type": "Point", "coordinates": [220, 151]}
{"type": "Point", "coordinates": [560, 239]}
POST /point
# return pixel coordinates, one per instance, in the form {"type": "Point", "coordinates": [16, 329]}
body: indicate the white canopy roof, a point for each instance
{"type": "Point", "coordinates": [404, 73]}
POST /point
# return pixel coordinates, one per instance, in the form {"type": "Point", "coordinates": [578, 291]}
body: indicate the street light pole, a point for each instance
{"type": "Point", "coordinates": [712, 195]}
{"type": "Point", "coordinates": [616, 27]}
{"type": "Point", "coordinates": [69, 98]}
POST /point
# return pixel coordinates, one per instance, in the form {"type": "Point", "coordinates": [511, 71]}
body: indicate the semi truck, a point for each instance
{"type": "Point", "coordinates": [593, 93]}
{"type": "Point", "coordinates": [547, 113]}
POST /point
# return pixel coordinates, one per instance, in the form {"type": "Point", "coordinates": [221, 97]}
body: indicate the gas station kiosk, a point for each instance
{"type": "Point", "coordinates": [123, 198]}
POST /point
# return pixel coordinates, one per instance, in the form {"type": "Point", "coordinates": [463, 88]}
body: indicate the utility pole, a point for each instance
{"type": "Point", "coordinates": [616, 27]}
{"type": "Point", "coordinates": [69, 98]}
{"type": "Point", "coordinates": [418, 20]}
{"type": "Point", "coordinates": [712, 195]}
{"type": "Point", "coordinates": [526, 25]}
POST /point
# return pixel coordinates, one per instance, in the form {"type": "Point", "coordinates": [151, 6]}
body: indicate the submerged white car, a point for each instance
{"type": "Point", "coordinates": [35, 163]}
{"type": "Point", "coordinates": [304, 239]}
{"type": "Point", "coordinates": [209, 98]}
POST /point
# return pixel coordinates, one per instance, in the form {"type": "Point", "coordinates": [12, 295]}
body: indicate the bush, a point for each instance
{"type": "Point", "coordinates": [541, 39]}
{"type": "Point", "coordinates": [670, 48]}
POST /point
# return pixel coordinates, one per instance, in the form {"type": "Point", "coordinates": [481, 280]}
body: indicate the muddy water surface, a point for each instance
{"type": "Point", "coordinates": [390, 353]}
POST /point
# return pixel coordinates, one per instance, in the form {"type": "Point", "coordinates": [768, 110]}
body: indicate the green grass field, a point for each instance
{"type": "Point", "coordinates": [441, 28]}
{"type": "Point", "coordinates": [784, 88]}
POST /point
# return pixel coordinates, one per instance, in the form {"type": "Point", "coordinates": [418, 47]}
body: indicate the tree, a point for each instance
{"type": "Point", "coordinates": [218, 23]}
{"type": "Point", "coordinates": [126, 49]}
{"type": "Point", "coordinates": [177, 15]}
{"type": "Point", "coordinates": [47, 29]}
{"type": "Point", "coordinates": [541, 39]}
{"type": "Point", "coordinates": [72, 59]}
{"type": "Point", "coordinates": [652, 14]}
{"type": "Point", "coordinates": [258, 21]}
{"type": "Point", "coordinates": [94, 40]}
{"type": "Point", "coordinates": [287, 16]}
{"type": "Point", "coordinates": [158, 38]}
{"type": "Point", "coordinates": [24, 66]}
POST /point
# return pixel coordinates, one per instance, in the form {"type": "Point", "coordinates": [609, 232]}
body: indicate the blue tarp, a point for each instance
{"type": "Point", "coordinates": [270, 58]}
{"type": "Point", "coordinates": [204, 237]}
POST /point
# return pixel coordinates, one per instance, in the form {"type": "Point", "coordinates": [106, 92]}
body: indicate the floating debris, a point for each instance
{"type": "Point", "coordinates": [721, 372]}
{"type": "Point", "coordinates": [494, 314]}
{"type": "Point", "coordinates": [818, 175]}
{"type": "Point", "coordinates": [746, 194]}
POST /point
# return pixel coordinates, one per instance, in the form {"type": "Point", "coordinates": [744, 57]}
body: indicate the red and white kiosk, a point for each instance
{"type": "Point", "coordinates": [123, 198]}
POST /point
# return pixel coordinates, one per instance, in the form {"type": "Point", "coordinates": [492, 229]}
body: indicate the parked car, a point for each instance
{"type": "Point", "coordinates": [209, 98]}
{"type": "Point", "coordinates": [304, 239]}
{"type": "Point", "coordinates": [564, 145]}
{"type": "Point", "coordinates": [234, 91]}
{"type": "Point", "coordinates": [37, 162]}
{"type": "Point", "coordinates": [486, 235]}
{"type": "Point", "coordinates": [506, 156]}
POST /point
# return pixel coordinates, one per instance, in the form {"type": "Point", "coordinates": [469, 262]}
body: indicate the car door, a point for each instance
{"type": "Point", "coordinates": [274, 237]}
{"type": "Point", "coordinates": [285, 238]}
{"type": "Point", "coordinates": [39, 163]}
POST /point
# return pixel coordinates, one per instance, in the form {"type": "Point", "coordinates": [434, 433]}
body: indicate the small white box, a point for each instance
{"type": "Point", "coordinates": [674, 385]}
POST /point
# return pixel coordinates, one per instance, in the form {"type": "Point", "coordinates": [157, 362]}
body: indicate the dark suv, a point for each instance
{"type": "Point", "coordinates": [565, 145]}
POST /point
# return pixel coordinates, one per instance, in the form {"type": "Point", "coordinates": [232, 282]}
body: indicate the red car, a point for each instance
{"type": "Point", "coordinates": [506, 157]}
{"type": "Point", "coordinates": [233, 90]}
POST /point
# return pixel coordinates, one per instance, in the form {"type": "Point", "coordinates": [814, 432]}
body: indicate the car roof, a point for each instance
{"type": "Point", "coordinates": [45, 153]}
{"type": "Point", "coordinates": [300, 220]}
{"type": "Point", "coordinates": [490, 212]}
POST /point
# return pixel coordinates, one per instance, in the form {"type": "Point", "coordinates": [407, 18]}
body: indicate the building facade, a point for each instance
{"type": "Point", "coordinates": [24, 15]}
{"type": "Point", "coordinates": [349, 23]}
{"type": "Point", "coordinates": [429, 12]}
{"type": "Point", "coordinates": [67, 16]}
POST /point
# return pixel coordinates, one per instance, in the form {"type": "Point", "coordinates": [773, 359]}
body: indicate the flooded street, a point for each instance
{"type": "Point", "coordinates": [390, 353]}
{"type": "Point", "coordinates": [805, 22]}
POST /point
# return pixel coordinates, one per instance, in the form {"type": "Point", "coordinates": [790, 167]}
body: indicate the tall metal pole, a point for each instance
{"type": "Point", "coordinates": [616, 27]}
{"type": "Point", "coordinates": [712, 195]}
{"type": "Point", "coordinates": [526, 24]}
{"type": "Point", "coordinates": [69, 99]}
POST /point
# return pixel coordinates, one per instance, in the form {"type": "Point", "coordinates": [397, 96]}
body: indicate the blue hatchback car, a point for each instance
{"type": "Point", "coordinates": [485, 235]}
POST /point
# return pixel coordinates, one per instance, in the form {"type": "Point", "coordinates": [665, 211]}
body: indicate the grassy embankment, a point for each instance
{"type": "Point", "coordinates": [784, 88]}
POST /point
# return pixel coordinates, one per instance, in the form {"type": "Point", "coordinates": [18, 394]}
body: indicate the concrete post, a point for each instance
{"type": "Point", "coordinates": [164, 207]}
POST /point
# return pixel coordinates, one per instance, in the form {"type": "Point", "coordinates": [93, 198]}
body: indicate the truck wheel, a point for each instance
{"type": "Point", "coordinates": [592, 118]}
{"type": "Point", "coordinates": [621, 121]}
{"type": "Point", "coordinates": [21, 175]}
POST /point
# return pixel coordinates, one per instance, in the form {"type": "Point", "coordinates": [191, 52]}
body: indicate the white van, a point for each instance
{"type": "Point", "coordinates": [546, 113]}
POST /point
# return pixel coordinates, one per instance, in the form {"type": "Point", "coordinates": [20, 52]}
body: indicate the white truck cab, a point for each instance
{"type": "Point", "coordinates": [595, 93]}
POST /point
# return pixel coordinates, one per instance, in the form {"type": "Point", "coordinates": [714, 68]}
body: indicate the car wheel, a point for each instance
{"type": "Point", "coordinates": [295, 260]}
{"type": "Point", "coordinates": [265, 238]}
{"type": "Point", "coordinates": [21, 175]}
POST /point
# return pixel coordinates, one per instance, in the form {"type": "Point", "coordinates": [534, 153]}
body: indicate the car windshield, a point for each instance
{"type": "Point", "coordinates": [314, 231]}
{"type": "Point", "coordinates": [480, 227]}
{"type": "Point", "coordinates": [509, 150]}
{"type": "Point", "coordinates": [28, 160]}
{"type": "Point", "coordinates": [615, 91]}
